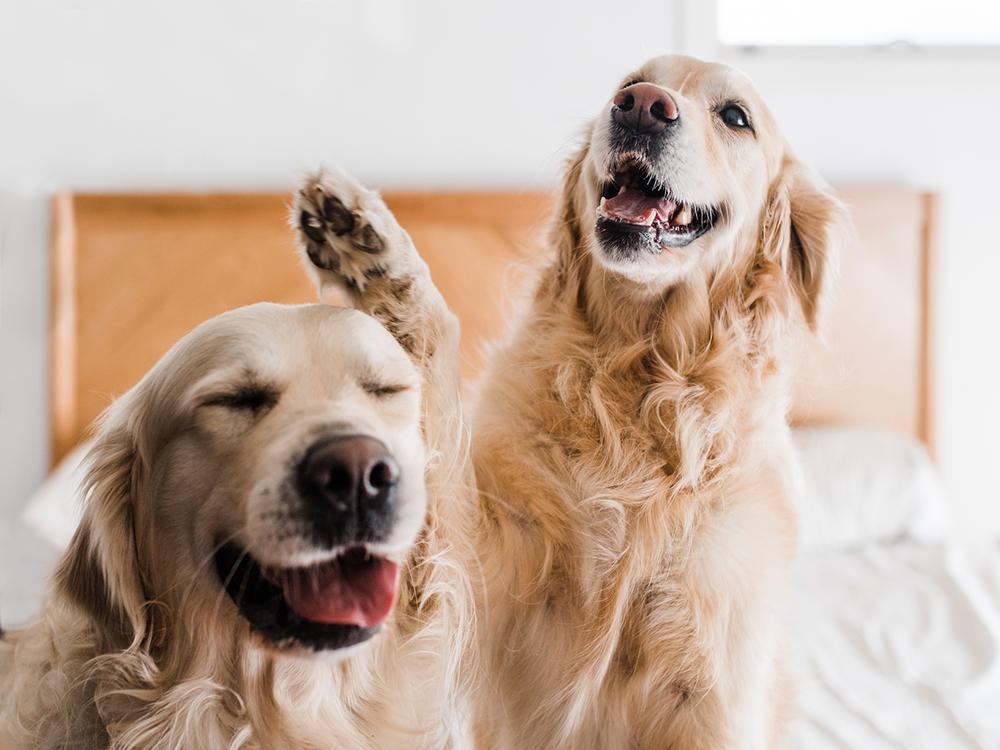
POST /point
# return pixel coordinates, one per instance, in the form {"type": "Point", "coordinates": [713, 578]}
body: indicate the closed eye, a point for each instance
{"type": "Point", "coordinates": [255, 399]}
{"type": "Point", "coordinates": [383, 390]}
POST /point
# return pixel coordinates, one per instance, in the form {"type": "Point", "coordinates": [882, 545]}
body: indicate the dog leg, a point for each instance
{"type": "Point", "coordinates": [352, 243]}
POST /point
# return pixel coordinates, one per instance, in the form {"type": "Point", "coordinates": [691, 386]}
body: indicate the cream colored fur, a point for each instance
{"type": "Point", "coordinates": [630, 547]}
{"type": "Point", "coordinates": [140, 648]}
{"type": "Point", "coordinates": [633, 458]}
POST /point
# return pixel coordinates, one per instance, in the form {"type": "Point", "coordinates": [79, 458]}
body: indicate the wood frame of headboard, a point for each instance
{"type": "Point", "coordinates": [928, 381]}
{"type": "Point", "coordinates": [62, 328]}
{"type": "Point", "coordinates": [469, 240]}
{"type": "Point", "coordinates": [876, 365]}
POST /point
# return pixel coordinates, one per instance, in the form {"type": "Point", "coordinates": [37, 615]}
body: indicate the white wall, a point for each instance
{"type": "Point", "coordinates": [187, 94]}
{"type": "Point", "coordinates": [120, 94]}
{"type": "Point", "coordinates": [928, 121]}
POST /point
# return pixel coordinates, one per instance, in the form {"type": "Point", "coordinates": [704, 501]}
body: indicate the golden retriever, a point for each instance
{"type": "Point", "coordinates": [264, 561]}
{"type": "Point", "coordinates": [630, 440]}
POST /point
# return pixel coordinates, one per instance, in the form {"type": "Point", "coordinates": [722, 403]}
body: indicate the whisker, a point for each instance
{"type": "Point", "coordinates": [209, 557]}
{"type": "Point", "coordinates": [225, 585]}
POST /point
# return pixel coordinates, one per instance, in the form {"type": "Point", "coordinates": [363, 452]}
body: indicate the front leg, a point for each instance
{"type": "Point", "coordinates": [351, 242]}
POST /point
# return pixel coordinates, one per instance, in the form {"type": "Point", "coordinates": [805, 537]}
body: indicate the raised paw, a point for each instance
{"type": "Point", "coordinates": [347, 233]}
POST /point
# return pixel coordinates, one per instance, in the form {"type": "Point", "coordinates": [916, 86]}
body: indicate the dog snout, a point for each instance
{"type": "Point", "coordinates": [644, 108]}
{"type": "Point", "coordinates": [349, 485]}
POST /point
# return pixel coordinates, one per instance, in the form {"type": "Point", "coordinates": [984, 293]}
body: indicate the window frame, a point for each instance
{"type": "Point", "coordinates": [698, 35]}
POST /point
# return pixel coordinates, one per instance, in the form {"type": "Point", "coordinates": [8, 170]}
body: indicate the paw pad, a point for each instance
{"type": "Point", "coordinates": [311, 227]}
{"type": "Point", "coordinates": [369, 240]}
{"type": "Point", "coordinates": [342, 230]}
{"type": "Point", "coordinates": [338, 216]}
{"type": "Point", "coordinates": [323, 215]}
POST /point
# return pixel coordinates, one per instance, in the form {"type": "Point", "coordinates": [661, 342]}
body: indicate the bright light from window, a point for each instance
{"type": "Point", "coordinates": [858, 22]}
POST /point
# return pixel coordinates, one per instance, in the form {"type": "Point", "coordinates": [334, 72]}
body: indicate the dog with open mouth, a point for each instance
{"type": "Point", "coordinates": [267, 557]}
{"type": "Point", "coordinates": [633, 460]}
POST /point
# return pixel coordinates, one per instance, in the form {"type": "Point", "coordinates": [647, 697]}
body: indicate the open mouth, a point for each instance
{"type": "Point", "coordinates": [334, 604]}
{"type": "Point", "coordinates": [636, 210]}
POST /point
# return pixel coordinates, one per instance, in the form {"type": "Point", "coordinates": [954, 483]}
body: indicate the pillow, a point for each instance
{"type": "Point", "coordinates": [54, 511]}
{"type": "Point", "coordinates": [861, 486]}
{"type": "Point", "coordinates": [864, 485]}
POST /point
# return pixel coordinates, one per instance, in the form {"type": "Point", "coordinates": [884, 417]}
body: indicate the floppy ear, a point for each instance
{"type": "Point", "coordinates": [800, 233]}
{"type": "Point", "coordinates": [100, 571]}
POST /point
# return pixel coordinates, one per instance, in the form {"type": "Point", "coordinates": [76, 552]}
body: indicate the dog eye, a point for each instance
{"type": "Point", "coordinates": [734, 116]}
{"type": "Point", "coordinates": [249, 398]}
{"type": "Point", "coordinates": [383, 390]}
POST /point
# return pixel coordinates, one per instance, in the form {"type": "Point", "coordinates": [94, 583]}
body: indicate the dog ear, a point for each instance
{"type": "Point", "coordinates": [801, 229]}
{"type": "Point", "coordinates": [100, 571]}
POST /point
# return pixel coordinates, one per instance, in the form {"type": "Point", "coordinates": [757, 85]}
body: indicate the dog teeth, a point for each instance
{"type": "Point", "coordinates": [621, 190]}
{"type": "Point", "coordinates": [683, 217]}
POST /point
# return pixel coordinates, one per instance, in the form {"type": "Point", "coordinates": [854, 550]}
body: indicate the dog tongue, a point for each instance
{"type": "Point", "coordinates": [352, 589]}
{"type": "Point", "coordinates": [635, 207]}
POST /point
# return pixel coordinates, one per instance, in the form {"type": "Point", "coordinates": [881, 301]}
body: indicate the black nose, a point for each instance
{"type": "Point", "coordinates": [348, 485]}
{"type": "Point", "coordinates": [644, 108]}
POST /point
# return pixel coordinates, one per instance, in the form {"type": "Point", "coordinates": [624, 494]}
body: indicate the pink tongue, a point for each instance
{"type": "Point", "coordinates": [347, 591]}
{"type": "Point", "coordinates": [635, 207]}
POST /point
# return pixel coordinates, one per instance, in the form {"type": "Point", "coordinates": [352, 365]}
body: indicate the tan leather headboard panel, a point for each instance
{"type": "Point", "coordinates": [874, 365]}
{"type": "Point", "coordinates": [133, 273]}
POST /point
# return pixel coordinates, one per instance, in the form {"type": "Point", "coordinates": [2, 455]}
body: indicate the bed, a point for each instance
{"type": "Point", "coordinates": [895, 630]}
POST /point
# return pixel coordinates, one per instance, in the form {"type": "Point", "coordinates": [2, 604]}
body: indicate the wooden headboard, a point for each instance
{"type": "Point", "coordinates": [133, 273]}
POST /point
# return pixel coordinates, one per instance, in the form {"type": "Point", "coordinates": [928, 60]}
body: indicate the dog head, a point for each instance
{"type": "Point", "coordinates": [686, 172]}
{"type": "Point", "coordinates": [265, 480]}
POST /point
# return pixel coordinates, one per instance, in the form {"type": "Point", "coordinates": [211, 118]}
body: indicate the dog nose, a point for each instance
{"type": "Point", "coordinates": [644, 108]}
{"type": "Point", "coordinates": [350, 485]}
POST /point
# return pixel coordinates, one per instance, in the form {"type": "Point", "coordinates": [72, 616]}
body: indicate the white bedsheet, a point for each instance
{"type": "Point", "coordinates": [897, 646]}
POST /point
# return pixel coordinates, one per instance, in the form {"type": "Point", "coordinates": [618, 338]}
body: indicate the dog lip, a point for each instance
{"type": "Point", "coordinates": [657, 234]}
{"type": "Point", "coordinates": [273, 569]}
{"type": "Point", "coordinates": [262, 604]}
{"type": "Point", "coordinates": [635, 201]}
{"type": "Point", "coordinates": [622, 161]}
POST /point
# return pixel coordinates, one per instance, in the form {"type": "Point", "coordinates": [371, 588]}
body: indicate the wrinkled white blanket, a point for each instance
{"type": "Point", "coordinates": [897, 646]}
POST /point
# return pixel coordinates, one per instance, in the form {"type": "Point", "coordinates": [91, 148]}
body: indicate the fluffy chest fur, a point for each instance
{"type": "Point", "coordinates": [219, 695]}
{"type": "Point", "coordinates": [637, 526]}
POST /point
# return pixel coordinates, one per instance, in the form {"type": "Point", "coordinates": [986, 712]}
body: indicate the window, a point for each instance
{"type": "Point", "coordinates": [858, 22]}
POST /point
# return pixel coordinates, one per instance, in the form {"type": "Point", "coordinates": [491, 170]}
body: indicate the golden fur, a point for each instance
{"type": "Point", "coordinates": [633, 458]}
{"type": "Point", "coordinates": [138, 646]}
{"type": "Point", "coordinates": [635, 478]}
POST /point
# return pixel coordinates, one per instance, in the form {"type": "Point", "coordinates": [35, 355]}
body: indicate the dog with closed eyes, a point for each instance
{"type": "Point", "coordinates": [269, 554]}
